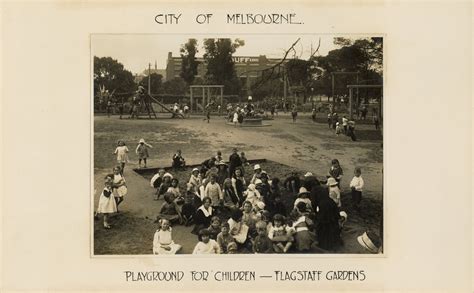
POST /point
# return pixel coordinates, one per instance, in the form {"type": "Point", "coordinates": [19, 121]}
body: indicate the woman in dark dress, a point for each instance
{"type": "Point", "coordinates": [203, 215]}
{"type": "Point", "coordinates": [327, 229]}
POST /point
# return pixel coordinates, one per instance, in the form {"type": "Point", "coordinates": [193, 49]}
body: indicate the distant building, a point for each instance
{"type": "Point", "coordinates": [146, 71]}
{"type": "Point", "coordinates": [246, 67]}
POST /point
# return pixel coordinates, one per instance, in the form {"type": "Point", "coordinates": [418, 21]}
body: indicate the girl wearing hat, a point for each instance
{"type": "Point", "coordinates": [195, 180]}
{"type": "Point", "coordinates": [302, 226]}
{"type": "Point", "coordinates": [122, 154]}
{"type": "Point", "coordinates": [142, 152]}
{"type": "Point", "coordinates": [222, 173]}
{"type": "Point", "coordinates": [257, 173]}
{"type": "Point", "coordinates": [339, 128]}
{"type": "Point", "coordinates": [334, 191]}
{"type": "Point", "coordinates": [303, 196]}
{"type": "Point", "coordinates": [165, 184]}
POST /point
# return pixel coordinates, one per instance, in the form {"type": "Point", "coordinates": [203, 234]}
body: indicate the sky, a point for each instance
{"type": "Point", "coordinates": [135, 51]}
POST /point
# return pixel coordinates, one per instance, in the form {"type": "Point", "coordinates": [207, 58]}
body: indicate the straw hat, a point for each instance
{"type": "Point", "coordinates": [141, 140]}
{"type": "Point", "coordinates": [308, 174]}
{"type": "Point", "coordinates": [261, 205]}
{"type": "Point", "coordinates": [368, 242]}
{"type": "Point", "coordinates": [303, 190]}
{"type": "Point", "coordinates": [331, 182]}
{"type": "Point", "coordinates": [195, 169]}
{"type": "Point", "coordinates": [250, 98]}
{"type": "Point", "coordinates": [256, 167]}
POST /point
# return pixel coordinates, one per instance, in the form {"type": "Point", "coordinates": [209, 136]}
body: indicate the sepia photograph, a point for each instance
{"type": "Point", "coordinates": [237, 144]}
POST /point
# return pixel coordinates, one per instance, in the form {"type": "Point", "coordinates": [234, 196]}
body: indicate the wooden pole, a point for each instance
{"type": "Point", "coordinates": [350, 103]}
{"type": "Point", "coordinates": [191, 100]}
{"type": "Point", "coordinates": [332, 93]}
{"type": "Point", "coordinates": [203, 98]}
{"type": "Point", "coordinates": [149, 78]}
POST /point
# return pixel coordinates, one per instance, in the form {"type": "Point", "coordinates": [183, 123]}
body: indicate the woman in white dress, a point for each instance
{"type": "Point", "coordinates": [162, 241]}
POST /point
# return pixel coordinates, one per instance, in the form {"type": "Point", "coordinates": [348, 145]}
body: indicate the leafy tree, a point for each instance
{"type": "Point", "coordinates": [156, 83]}
{"type": "Point", "coordinates": [176, 86]}
{"type": "Point", "coordinates": [112, 75]}
{"type": "Point", "coordinates": [189, 64]}
{"type": "Point", "coordinates": [220, 66]}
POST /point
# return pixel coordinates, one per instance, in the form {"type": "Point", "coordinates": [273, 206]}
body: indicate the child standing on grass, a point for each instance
{"type": "Point", "coordinates": [119, 186]}
{"type": "Point", "coordinates": [122, 154]}
{"type": "Point", "coordinates": [142, 152]}
{"type": "Point", "coordinates": [356, 185]}
{"type": "Point", "coordinates": [107, 204]}
{"type": "Point", "coordinates": [329, 120]}
{"type": "Point", "coordinates": [336, 171]}
{"type": "Point", "coordinates": [163, 241]}
{"type": "Point", "coordinates": [206, 245]}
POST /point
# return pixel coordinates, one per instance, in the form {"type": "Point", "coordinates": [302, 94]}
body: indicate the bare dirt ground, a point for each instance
{"type": "Point", "coordinates": [304, 146]}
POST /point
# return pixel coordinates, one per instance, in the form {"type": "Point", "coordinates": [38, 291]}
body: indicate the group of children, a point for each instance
{"type": "Point", "coordinates": [234, 214]}
{"type": "Point", "coordinates": [342, 126]}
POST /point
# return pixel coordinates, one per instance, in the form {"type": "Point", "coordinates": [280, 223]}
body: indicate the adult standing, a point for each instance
{"type": "Point", "coordinates": [234, 162]}
{"type": "Point", "coordinates": [327, 229]}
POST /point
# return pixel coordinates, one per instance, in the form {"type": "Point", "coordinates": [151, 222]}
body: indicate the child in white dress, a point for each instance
{"type": "Point", "coordinates": [142, 152]}
{"type": "Point", "coordinates": [107, 203]}
{"type": "Point", "coordinates": [122, 154]}
{"type": "Point", "coordinates": [162, 241]}
{"type": "Point", "coordinates": [119, 186]}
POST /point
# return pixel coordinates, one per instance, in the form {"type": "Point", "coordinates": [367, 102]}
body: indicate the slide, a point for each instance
{"type": "Point", "coordinates": [164, 107]}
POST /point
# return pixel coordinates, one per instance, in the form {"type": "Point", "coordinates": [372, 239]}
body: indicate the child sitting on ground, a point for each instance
{"type": "Point", "coordinates": [178, 161]}
{"type": "Point", "coordinates": [214, 192]}
{"type": "Point", "coordinates": [280, 234]}
{"type": "Point", "coordinates": [261, 243]}
{"type": "Point", "coordinates": [303, 196]}
{"type": "Point", "coordinates": [165, 184]}
{"type": "Point", "coordinates": [252, 195]}
{"type": "Point", "coordinates": [302, 227]}
{"type": "Point", "coordinates": [238, 229]}
{"type": "Point", "coordinates": [206, 245]}
{"type": "Point", "coordinates": [189, 207]}
{"type": "Point", "coordinates": [169, 210]}
{"type": "Point", "coordinates": [163, 241]}
{"type": "Point", "coordinates": [249, 218]}
{"type": "Point", "coordinates": [224, 238]}
{"type": "Point", "coordinates": [215, 227]}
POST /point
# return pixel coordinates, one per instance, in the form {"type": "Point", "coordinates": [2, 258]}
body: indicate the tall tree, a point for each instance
{"type": "Point", "coordinates": [112, 75]}
{"type": "Point", "coordinates": [189, 64]}
{"type": "Point", "coordinates": [220, 66]}
{"type": "Point", "coordinates": [156, 83]}
{"type": "Point", "coordinates": [176, 86]}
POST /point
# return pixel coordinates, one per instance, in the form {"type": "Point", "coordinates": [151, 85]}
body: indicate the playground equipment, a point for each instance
{"type": "Point", "coordinates": [359, 86]}
{"type": "Point", "coordinates": [206, 95]}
